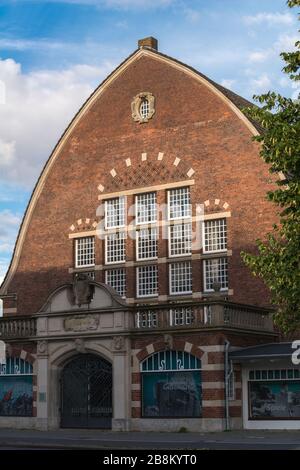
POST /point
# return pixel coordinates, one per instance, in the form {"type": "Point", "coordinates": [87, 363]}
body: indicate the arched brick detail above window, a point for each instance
{"type": "Point", "coordinates": [14, 351]}
{"type": "Point", "coordinates": [216, 205]}
{"type": "Point", "coordinates": [142, 171]}
{"type": "Point", "coordinates": [170, 343]}
{"type": "Point", "coordinates": [83, 225]}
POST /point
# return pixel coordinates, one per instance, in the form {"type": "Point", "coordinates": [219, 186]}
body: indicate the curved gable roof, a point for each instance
{"type": "Point", "coordinates": [234, 101]}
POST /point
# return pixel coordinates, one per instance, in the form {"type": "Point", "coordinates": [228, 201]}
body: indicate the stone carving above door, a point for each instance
{"type": "Point", "coordinates": [81, 323]}
{"type": "Point", "coordinates": [68, 298]}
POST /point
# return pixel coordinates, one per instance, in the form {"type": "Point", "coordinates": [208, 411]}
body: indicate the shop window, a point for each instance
{"type": "Point", "coordinates": [171, 385]}
{"type": "Point", "coordinates": [16, 388]}
{"type": "Point", "coordinates": [274, 394]}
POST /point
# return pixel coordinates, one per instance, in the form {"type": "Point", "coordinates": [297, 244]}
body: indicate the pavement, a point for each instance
{"type": "Point", "coordinates": [95, 439]}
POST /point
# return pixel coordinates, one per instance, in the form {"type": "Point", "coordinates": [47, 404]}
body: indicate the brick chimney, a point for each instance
{"type": "Point", "coordinates": [149, 43]}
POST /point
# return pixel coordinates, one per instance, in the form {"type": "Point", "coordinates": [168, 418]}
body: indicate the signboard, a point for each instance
{"type": "Point", "coordinates": [274, 400]}
{"type": "Point", "coordinates": [172, 394]}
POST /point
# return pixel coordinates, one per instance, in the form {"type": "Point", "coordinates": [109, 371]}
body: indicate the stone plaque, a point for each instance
{"type": "Point", "coordinates": [81, 323]}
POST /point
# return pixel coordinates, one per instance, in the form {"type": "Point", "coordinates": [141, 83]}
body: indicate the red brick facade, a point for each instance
{"type": "Point", "coordinates": [192, 123]}
{"type": "Point", "coordinates": [196, 133]}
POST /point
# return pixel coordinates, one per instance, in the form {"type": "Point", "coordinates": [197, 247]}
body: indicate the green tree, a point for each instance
{"type": "Point", "coordinates": [278, 258]}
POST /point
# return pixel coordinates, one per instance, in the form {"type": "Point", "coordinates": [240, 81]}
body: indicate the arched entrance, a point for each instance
{"type": "Point", "coordinates": [86, 392]}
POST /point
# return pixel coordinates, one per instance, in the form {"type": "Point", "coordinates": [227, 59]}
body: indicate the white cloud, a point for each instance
{"type": "Point", "coordinates": [7, 152]}
{"type": "Point", "coordinates": [228, 83]}
{"type": "Point", "coordinates": [270, 19]}
{"type": "Point", "coordinates": [258, 56]}
{"type": "Point", "coordinates": [25, 44]}
{"type": "Point", "coordinates": [285, 43]}
{"type": "Point", "coordinates": [38, 107]}
{"type": "Point", "coordinates": [261, 83]}
{"type": "Point", "coordinates": [9, 226]}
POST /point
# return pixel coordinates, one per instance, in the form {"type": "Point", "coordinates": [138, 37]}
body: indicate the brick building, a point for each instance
{"type": "Point", "coordinates": [126, 292]}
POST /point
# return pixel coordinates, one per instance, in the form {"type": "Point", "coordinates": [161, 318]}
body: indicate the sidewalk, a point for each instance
{"type": "Point", "coordinates": [95, 439]}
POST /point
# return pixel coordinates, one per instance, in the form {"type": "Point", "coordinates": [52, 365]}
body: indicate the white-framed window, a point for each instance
{"type": "Point", "coordinates": [145, 207]}
{"type": "Point", "coordinates": [146, 243]}
{"type": "Point", "coordinates": [147, 319]}
{"type": "Point", "coordinates": [115, 244]}
{"type": "Point", "coordinates": [179, 203]}
{"type": "Point", "coordinates": [116, 278]}
{"type": "Point", "coordinates": [181, 316]}
{"type": "Point", "coordinates": [180, 239]}
{"type": "Point", "coordinates": [180, 277]}
{"type": "Point", "coordinates": [147, 281]}
{"type": "Point", "coordinates": [215, 270]}
{"type": "Point", "coordinates": [84, 252]}
{"type": "Point", "coordinates": [144, 109]}
{"type": "Point", "coordinates": [215, 235]}
{"type": "Point", "coordinates": [115, 212]}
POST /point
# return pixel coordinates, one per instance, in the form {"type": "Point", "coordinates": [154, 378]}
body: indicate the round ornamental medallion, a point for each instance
{"type": "Point", "coordinates": [142, 107]}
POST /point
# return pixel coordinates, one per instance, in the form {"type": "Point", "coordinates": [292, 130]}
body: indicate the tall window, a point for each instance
{"type": "Point", "coordinates": [115, 212]}
{"type": "Point", "coordinates": [147, 281]}
{"type": "Point", "coordinates": [145, 208]}
{"type": "Point", "coordinates": [84, 252]}
{"type": "Point", "coordinates": [180, 239]}
{"type": "Point", "coordinates": [144, 109]}
{"type": "Point", "coordinates": [180, 276]}
{"type": "Point", "coordinates": [179, 203]}
{"type": "Point", "coordinates": [146, 242]}
{"type": "Point", "coordinates": [215, 271]}
{"type": "Point", "coordinates": [215, 235]}
{"type": "Point", "coordinates": [116, 278]}
{"type": "Point", "coordinates": [115, 247]}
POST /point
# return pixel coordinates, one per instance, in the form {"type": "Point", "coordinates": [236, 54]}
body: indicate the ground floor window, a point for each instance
{"type": "Point", "coordinates": [274, 394]}
{"type": "Point", "coordinates": [171, 385]}
{"type": "Point", "coordinates": [16, 388]}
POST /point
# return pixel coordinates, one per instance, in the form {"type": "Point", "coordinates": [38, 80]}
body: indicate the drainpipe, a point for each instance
{"type": "Point", "coordinates": [227, 375]}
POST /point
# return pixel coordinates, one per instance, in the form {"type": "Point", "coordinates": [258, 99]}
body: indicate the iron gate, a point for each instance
{"type": "Point", "coordinates": [87, 393]}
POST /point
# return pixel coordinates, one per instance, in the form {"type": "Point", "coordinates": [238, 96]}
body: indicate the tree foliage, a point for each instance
{"type": "Point", "coordinates": [278, 259]}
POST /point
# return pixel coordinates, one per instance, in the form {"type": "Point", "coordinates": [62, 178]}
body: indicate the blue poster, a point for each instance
{"type": "Point", "coordinates": [172, 394]}
{"type": "Point", "coordinates": [16, 395]}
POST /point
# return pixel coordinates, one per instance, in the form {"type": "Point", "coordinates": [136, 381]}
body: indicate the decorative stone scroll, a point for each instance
{"type": "Point", "coordinates": [136, 107]}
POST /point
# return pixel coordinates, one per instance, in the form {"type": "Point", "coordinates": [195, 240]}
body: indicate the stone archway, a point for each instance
{"type": "Point", "coordinates": [86, 393]}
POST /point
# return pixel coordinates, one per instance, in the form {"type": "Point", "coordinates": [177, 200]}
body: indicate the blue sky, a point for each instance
{"type": "Point", "coordinates": [53, 53]}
